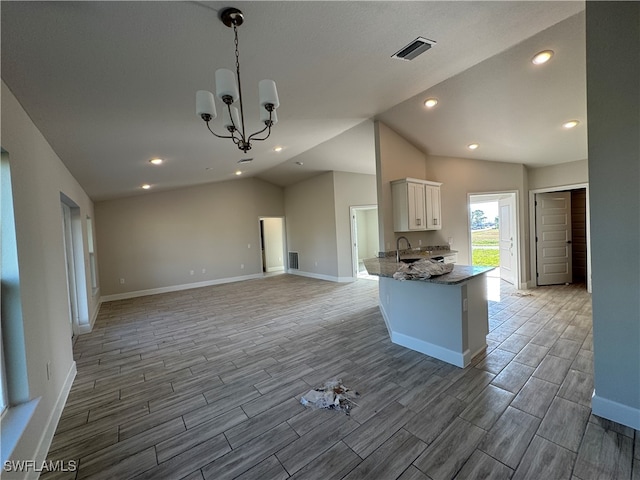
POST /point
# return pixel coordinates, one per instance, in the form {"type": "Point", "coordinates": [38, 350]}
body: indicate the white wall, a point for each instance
{"type": "Point", "coordinates": [273, 244]}
{"type": "Point", "coordinates": [39, 177]}
{"type": "Point", "coordinates": [613, 105]}
{"type": "Point", "coordinates": [367, 225]}
{"type": "Point", "coordinates": [155, 240]}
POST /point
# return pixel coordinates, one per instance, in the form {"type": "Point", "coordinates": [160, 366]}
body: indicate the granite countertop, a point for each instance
{"type": "Point", "coordinates": [386, 267]}
{"type": "Point", "coordinates": [419, 252]}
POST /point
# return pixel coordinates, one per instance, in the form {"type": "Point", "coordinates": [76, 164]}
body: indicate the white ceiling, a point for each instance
{"type": "Point", "coordinates": [112, 84]}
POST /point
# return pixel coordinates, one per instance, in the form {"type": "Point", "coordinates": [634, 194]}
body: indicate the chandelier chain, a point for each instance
{"type": "Point", "coordinates": [243, 139]}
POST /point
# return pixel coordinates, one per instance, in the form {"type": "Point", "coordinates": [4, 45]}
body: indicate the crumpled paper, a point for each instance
{"type": "Point", "coordinates": [422, 269]}
{"type": "Point", "coordinates": [332, 395]}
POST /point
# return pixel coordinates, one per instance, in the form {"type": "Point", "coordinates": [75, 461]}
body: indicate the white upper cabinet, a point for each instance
{"type": "Point", "coordinates": [432, 207]}
{"type": "Point", "coordinates": [416, 205]}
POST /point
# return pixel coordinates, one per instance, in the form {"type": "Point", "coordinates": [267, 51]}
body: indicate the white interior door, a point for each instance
{"type": "Point", "coordinates": [553, 238]}
{"type": "Point", "coordinates": [507, 240]}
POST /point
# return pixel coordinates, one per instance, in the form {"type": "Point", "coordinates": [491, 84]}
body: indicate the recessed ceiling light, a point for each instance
{"type": "Point", "coordinates": [277, 149]}
{"type": "Point", "coordinates": [238, 172]}
{"type": "Point", "coordinates": [156, 161]}
{"type": "Point", "coordinates": [542, 57]}
{"type": "Point", "coordinates": [146, 186]}
{"type": "Point", "coordinates": [430, 102]}
{"type": "Point", "coordinates": [473, 146]}
{"type": "Point", "coordinates": [299, 163]}
{"type": "Point", "coordinates": [570, 124]}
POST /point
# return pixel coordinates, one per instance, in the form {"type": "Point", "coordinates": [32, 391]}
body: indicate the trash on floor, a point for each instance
{"type": "Point", "coordinates": [522, 294]}
{"type": "Point", "coordinates": [332, 395]}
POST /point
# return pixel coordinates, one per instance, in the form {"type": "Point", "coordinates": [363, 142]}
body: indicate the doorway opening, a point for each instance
{"type": "Point", "coordinates": [364, 238]}
{"type": "Point", "coordinates": [560, 244]}
{"type": "Point", "coordinates": [493, 230]}
{"type": "Point", "coordinates": [74, 262]}
{"type": "Point", "coordinates": [272, 245]}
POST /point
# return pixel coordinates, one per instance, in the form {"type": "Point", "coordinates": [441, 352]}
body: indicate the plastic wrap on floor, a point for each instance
{"type": "Point", "coordinates": [333, 395]}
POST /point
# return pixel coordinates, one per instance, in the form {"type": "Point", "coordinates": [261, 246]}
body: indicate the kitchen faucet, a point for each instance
{"type": "Point", "coordinates": [398, 247]}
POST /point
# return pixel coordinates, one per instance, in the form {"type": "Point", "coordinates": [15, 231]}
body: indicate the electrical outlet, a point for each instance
{"type": "Point", "coordinates": [191, 272]}
{"type": "Point", "coordinates": [316, 263]}
{"type": "Point", "coordinates": [204, 270]}
{"type": "Point", "coordinates": [249, 245]}
{"type": "Point", "coordinates": [122, 281]}
{"type": "Point", "coordinates": [242, 266]}
{"type": "Point", "coordinates": [419, 242]}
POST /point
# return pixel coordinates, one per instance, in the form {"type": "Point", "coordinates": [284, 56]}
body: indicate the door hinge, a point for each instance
{"type": "Point", "coordinates": [536, 239]}
{"type": "Point", "coordinates": [537, 274]}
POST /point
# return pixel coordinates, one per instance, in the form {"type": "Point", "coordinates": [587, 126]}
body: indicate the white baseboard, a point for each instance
{"type": "Point", "coordinates": [449, 356]}
{"type": "Point", "coordinates": [320, 276]}
{"type": "Point", "coordinates": [444, 354]}
{"type": "Point", "coordinates": [176, 288]}
{"type": "Point", "coordinates": [615, 411]}
{"type": "Point", "coordinates": [47, 436]}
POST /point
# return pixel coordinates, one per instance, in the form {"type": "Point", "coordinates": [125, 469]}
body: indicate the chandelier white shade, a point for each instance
{"type": "Point", "coordinates": [229, 91]}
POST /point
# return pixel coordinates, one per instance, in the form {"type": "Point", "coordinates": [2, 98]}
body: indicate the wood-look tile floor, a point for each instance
{"type": "Point", "coordinates": [205, 384]}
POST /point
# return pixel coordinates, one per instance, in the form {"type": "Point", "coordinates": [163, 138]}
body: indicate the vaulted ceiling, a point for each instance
{"type": "Point", "coordinates": [112, 85]}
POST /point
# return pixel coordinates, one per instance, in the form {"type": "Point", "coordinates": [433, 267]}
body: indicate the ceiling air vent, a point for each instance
{"type": "Point", "coordinates": [245, 160]}
{"type": "Point", "coordinates": [415, 48]}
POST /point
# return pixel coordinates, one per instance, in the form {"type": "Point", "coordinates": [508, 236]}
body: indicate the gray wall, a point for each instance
{"type": "Point", "coordinates": [397, 158]}
{"type": "Point", "coordinates": [155, 240]}
{"type": "Point", "coordinates": [318, 224]}
{"type": "Point", "coordinates": [351, 190]}
{"type": "Point", "coordinates": [613, 104]}
{"type": "Point", "coordinates": [460, 177]}
{"type": "Point", "coordinates": [38, 179]}
{"type": "Point", "coordinates": [570, 173]}
{"type": "Point", "coordinates": [311, 224]}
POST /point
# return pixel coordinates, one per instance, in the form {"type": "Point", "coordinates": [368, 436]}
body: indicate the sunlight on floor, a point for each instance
{"type": "Point", "coordinates": [493, 285]}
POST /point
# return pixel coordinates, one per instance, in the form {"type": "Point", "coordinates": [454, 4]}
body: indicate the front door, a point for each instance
{"type": "Point", "coordinates": [553, 238]}
{"type": "Point", "coordinates": [507, 237]}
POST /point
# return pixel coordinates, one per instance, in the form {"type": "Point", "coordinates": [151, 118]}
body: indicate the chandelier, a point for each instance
{"type": "Point", "coordinates": [230, 92]}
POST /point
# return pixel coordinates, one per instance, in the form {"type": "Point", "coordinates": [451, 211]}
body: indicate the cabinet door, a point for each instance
{"type": "Point", "coordinates": [416, 199]}
{"type": "Point", "coordinates": [433, 214]}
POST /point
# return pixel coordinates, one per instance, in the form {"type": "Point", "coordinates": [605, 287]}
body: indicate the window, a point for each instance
{"type": "Point", "coordinates": [3, 380]}
{"type": "Point", "coordinates": [17, 408]}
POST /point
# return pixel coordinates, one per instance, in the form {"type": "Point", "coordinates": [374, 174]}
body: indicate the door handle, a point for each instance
{"type": "Point", "coordinates": [569, 241]}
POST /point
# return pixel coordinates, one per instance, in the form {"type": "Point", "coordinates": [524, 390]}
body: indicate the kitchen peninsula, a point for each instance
{"type": "Point", "coordinates": [445, 316]}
